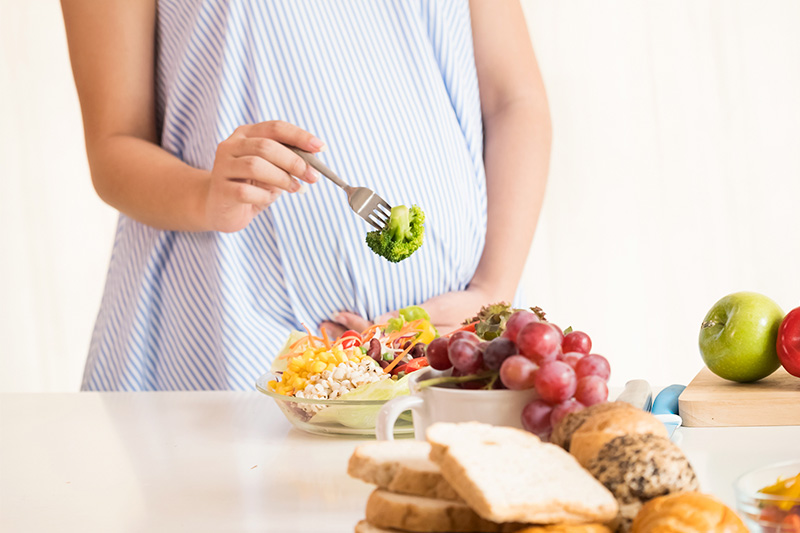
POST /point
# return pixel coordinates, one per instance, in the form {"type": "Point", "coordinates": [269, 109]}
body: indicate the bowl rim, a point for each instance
{"type": "Point", "coordinates": [264, 378]}
{"type": "Point", "coordinates": [761, 496]}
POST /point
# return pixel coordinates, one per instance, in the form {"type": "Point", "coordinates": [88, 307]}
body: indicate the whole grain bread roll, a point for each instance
{"type": "Point", "coordinates": [639, 467]}
{"type": "Point", "coordinates": [563, 431]}
{"type": "Point", "coordinates": [605, 425]}
{"type": "Point", "coordinates": [687, 512]}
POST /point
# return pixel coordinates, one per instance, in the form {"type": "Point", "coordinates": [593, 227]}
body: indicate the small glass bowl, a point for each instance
{"type": "Point", "coordinates": [767, 513]}
{"type": "Point", "coordinates": [355, 418]}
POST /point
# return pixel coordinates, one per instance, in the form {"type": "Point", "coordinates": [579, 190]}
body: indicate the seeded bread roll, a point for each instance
{"type": "Point", "coordinates": [602, 427]}
{"type": "Point", "coordinates": [563, 431]}
{"type": "Point", "coordinates": [638, 468]}
{"type": "Point", "coordinates": [687, 512]}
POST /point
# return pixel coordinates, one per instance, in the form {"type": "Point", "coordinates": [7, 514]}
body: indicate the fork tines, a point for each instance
{"type": "Point", "coordinates": [379, 216]}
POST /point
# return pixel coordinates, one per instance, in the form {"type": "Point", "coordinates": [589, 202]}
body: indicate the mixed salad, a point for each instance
{"type": "Point", "coordinates": [369, 365]}
{"type": "Point", "coordinates": [786, 513]}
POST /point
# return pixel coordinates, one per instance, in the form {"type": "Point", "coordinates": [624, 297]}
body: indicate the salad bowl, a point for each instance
{"type": "Point", "coordinates": [355, 414]}
{"type": "Point", "coordinates": [768, 498]}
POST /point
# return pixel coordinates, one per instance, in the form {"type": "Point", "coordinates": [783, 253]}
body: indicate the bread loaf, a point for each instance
{"type": "Point", "coordinates": [687, 512]}
{"type": "Point", "coordinates": [563, 431]}
{"type": "Point", "coordinates": [638, 468]}
{"type": "Point", "coordinates": [603, 426]}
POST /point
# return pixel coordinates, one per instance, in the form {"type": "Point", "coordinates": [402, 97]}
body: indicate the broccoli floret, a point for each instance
{"type": "Point", "coordinates": [401, 236]}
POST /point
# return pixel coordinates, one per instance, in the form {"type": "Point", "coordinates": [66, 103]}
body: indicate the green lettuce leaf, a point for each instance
{"type": "Point", "coordinates": [279, 365]}
{"type": "Point", "coordinates": [362, 416]}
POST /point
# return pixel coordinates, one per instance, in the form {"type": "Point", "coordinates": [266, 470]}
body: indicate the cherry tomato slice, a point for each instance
{"type": "Point", "coordinates": [351, 339]}
{"type": "Point", "coordinates": [416, 364]}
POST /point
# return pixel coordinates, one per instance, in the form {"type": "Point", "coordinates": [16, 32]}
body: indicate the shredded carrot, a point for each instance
{"type": "Point", "coordinates": [368, 333]}
{"type": "Point", "coordinates": [325, 338]}
{"type": "Point", "coordinates": [397, 359]}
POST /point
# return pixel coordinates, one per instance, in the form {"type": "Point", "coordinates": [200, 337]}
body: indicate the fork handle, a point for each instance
{"type": "Point", "coordinates": [314, 162]}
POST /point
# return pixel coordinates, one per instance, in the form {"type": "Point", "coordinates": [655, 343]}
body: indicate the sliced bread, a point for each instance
{"type": "Point", "coordinates": [440, 436]}
{"type": "Point", "coordinates": [509, 475]}
{"type": "Point", "coordinates": [365, 527]}
{"type": "Point", "coordinates": [402, 467]}
{"type": "Point", "coordinates": [403, 512]}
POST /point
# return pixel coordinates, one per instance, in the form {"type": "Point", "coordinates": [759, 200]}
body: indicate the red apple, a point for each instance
{"type": "Point", "coordinates": [788, 344]}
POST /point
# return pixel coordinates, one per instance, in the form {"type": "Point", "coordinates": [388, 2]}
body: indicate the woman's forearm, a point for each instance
{"type": "Point", "coordinates": [145, 182]}
{"type": "Point", "coordinates": [516, 122]}
{"type": "Point", "coordinates": [516, 156]}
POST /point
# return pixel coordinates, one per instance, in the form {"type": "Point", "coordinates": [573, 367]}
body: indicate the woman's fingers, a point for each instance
{"type": "Point", "coordinates": [333, 329]}
{"type": "Point", "coordinates": [246, 192]}
{"type": "Point", "coordinates": [285, 133]}
{"type": "Point", "coordinates": [276, 154]}
{"type": "Point", "coordinates": [352, 320]}
{"type": "Point", "coordinates": [251, 167]}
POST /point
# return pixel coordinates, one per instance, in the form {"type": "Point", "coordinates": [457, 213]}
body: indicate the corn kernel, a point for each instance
{"type": "Point", "coordinates": [318, 366]}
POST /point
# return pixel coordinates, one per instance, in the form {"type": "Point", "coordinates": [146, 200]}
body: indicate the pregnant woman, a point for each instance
{"type": "Point", "coordinates": [187, 106]}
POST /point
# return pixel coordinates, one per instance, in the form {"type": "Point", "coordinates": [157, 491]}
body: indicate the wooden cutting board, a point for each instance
{"type": "Point", "coordinates": [712, 401]}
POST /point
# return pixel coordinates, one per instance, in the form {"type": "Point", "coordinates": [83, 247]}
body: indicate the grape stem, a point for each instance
{"type": "Point", "coordinates": [492, 381]}
{"type": "Point", "coordinates": [451, 379]}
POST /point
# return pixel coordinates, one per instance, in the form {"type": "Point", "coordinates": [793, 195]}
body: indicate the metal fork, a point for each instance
{"type": "Point", "coordinates": [365, 202]}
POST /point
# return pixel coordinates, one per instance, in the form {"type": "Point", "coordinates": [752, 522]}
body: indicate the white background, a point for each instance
{"type": "Point", "coordinates": [675, 180]}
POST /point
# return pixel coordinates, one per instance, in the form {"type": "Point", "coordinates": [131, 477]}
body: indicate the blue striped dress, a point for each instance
{"type": "Point", "coordinates": [391, 87]}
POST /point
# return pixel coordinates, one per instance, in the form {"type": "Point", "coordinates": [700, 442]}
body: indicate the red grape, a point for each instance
{"type": "Point", "coordinates": [560, 333]}
{"type": "Point", "coordinates": [536, 418]}
{"type": "Point", "coordinates": [539, 342]}
{"type": "Point", "coordinates": [437, 354]}
{"type": "Point", "coordinates": [516, 322]}
{"type": "Point", "coordinates": [497, 351]}
{"type": "Point", "coordinates": [563, 409]}
{"type": "Point", "coordinates": [593, 365]}
{"type": "Point", "coordinates": [465, 356]}
{"type": "Point", "coordinates": [555, 381]}
{"type": "Point", "coordinates": [517, 372]}
{"type": "Point", "coordinates": [591, 390]}
{"type": "Point", "coordinates": [571, 358]}
{"type": "Point", "coordinates": [577, 341]}
{"type": "Point", "coordinates": [465, 335]}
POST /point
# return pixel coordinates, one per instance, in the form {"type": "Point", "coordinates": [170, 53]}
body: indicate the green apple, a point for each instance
{"type": "Point", "coordinates": [738, 337]}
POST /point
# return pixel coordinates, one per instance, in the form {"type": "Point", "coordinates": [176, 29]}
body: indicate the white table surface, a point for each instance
{"type": "Point", "coordinates": [228, 461]}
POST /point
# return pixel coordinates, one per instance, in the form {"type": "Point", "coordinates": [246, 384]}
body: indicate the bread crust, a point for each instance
{"type": "Point", "coordinates": [600, 428]}
{"type": "Point", "coordinates": [424, 515]}
{"type": "Point", "coordinates": [687, 512]}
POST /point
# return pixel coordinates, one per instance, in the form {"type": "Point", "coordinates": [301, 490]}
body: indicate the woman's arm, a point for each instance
{"type": "Point", "coordinates": [112, 50]}
{"type": "Point", "coordinates": [516, 122]}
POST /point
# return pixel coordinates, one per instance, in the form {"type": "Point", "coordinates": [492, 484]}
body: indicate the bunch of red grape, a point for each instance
{"type": "Point", "coordinates": [530, 354]}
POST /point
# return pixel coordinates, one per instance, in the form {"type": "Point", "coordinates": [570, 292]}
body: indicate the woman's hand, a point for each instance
{"type": "Point", "coordinates": [252, 167]}
{"type": "Point", "coordinates": [448, 311]}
